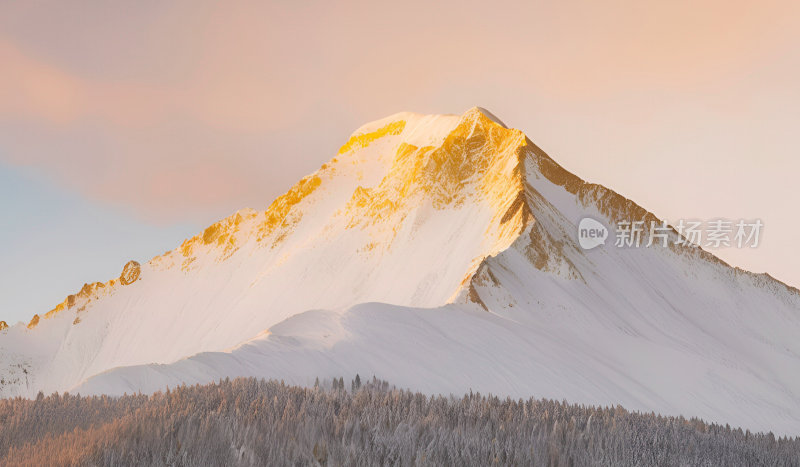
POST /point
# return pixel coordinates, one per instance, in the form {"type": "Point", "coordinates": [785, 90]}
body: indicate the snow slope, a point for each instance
{"type": "Point", "coordinates": [439, 253]}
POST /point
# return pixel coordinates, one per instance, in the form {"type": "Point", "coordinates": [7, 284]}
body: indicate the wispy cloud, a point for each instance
{"type": "Point", "coordinates": [193, 109]}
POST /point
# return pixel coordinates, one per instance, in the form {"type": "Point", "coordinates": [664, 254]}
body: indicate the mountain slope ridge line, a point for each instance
{"type": "Point", "coordinates": [441, 252]}
{"type": "Point", "coordinates": [223, 232]}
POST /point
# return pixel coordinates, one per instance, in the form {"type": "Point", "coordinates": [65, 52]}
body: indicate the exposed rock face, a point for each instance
{"type": "Point", "coordinates": [130, 273]}
{"type": "Point", "coordinates": [89, 293]}
{"type": "Point", "coordinates": [3, 325]}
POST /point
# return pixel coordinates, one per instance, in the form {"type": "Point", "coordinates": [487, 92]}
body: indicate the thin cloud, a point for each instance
{"type": "Point", "coordinates": [195, 109]}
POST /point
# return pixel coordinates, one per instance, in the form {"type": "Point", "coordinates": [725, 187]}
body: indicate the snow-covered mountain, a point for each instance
{"type": "Point", "coordinates": [439, 253]}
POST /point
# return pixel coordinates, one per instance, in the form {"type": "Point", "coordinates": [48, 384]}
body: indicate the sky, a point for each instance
{"type": "Point", "coordinates": [125, 128]}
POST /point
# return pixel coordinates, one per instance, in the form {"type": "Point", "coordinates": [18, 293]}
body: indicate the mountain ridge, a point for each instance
{"type": "Point", "coordinates": [223, 232]}
{"type": "Point", "coordinates": [439, 252]}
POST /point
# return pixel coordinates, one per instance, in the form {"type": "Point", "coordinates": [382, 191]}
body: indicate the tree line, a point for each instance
{"type": "Point", "coordinates": [256, 422]}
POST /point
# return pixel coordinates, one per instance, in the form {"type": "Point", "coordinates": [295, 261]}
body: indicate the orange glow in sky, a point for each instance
{"type": "Point", "coordinates": [187, 111]}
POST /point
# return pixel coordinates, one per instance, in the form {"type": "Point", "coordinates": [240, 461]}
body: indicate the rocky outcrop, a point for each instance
{"type": "Point", "coordinates": [90, 292]}
{"type": "Point", "coordinates": [130, 273]}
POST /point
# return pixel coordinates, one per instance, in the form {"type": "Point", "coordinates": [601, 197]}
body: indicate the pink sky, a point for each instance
{"type": "Point", "coordinates": [187, 111]}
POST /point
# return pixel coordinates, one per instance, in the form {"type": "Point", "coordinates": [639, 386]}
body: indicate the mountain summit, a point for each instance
{"type": "Point", "coordinates": [439, 252]}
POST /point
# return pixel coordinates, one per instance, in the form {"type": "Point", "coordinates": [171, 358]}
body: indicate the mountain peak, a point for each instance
{"type": "Point", "coordinates": [429, 239]}
{"type": "Point", "coordinates": [386, 181]}
{"type": "Point", "coordinates": [389, 178]}
{"type": "Point", "coordinates": [487, 114]}
{"type": "Point", "coordinates": [390, 175]}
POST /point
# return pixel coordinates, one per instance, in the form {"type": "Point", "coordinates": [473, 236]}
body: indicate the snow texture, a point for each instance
{"type": "Point", "coordinates": [439, 253]}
